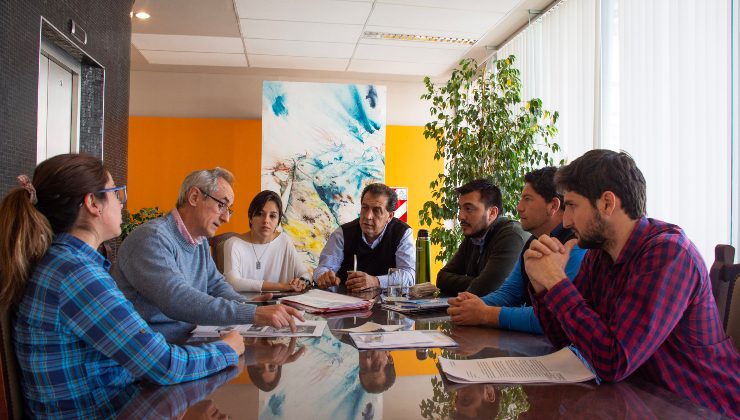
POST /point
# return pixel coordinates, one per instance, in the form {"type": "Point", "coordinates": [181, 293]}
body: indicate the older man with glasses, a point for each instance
{"type": "Point", "coordinates": [165, 268]}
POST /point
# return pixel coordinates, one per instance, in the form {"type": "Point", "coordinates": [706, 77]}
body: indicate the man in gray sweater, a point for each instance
{"type": "Point", "coordinates": [165, 269]}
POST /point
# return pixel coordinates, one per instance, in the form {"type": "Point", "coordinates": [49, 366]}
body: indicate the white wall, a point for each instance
{"type": "Point", "coordinates": [203, 95]}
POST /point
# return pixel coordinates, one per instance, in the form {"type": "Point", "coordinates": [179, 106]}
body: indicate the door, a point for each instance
{"type": "Point", "coordinates": [58, 120]}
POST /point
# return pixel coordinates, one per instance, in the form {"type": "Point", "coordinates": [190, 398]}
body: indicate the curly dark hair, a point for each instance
{"type": "Point", "coordinates": [603, 170]}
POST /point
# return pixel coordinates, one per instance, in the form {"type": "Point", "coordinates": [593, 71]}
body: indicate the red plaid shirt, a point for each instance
{"type": "Point", "coordinates": [651, 312]}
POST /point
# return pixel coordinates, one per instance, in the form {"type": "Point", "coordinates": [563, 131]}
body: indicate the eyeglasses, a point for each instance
{"type": "Point", "coordinates": [222, 206]}
{"type": "Point", "coordinates": [120, 191]}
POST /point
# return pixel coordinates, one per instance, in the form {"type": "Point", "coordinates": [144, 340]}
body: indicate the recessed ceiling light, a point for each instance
{"type": "Point", "coordinates": [418, 38]}
{"type": "Point", "coordinates": [142, 15]}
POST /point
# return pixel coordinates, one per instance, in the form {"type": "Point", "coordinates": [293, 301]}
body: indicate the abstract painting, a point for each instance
{"type": "Point", "coordinates": [322, 144]}
{"type": "Point", "coordinates": [324, 381]}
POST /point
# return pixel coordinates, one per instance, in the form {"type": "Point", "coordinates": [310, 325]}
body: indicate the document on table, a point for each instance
{"type": "Point", "coordinates": [563, 366]}
{"type": "Point", "coordinates": [322, 301]}
{"type": "Point", "coordinates": [369, 327]}
{"type": "Point", "coordinates": [303, 329]}
{"type": "Point", "coordinates": [401, 340]}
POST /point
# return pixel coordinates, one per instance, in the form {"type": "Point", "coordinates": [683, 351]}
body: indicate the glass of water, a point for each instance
{"type": "Point", "coordinates": [395, 289]}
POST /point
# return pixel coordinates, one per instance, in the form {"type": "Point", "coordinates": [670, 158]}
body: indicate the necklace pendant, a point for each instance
{"type": "Point", "coordinates": [259, 265]}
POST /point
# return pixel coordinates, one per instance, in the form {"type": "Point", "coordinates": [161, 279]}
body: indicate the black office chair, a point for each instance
{"type": "Point", "coordinates": [724, 274]}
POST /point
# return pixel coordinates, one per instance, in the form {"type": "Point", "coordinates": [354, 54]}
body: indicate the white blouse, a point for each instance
{"type": "Point", "coordinates": [279, 262]}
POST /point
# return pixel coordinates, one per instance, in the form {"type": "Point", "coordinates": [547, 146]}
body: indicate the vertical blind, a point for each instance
{"type": "Point", "coordinates": [651, 78]}
{"type": "Point", "coordinates": [557, 57]}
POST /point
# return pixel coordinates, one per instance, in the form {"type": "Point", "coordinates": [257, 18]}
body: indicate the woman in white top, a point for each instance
{"type": "Point", "coordinates": [263, 258]}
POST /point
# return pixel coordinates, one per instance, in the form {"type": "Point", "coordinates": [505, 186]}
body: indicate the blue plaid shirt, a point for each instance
{"type": "Point", "coordinates": [77, 338]}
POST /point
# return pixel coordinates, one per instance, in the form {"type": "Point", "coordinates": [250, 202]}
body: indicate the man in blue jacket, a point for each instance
{"type": "Point", "coordinates": [510, 307]}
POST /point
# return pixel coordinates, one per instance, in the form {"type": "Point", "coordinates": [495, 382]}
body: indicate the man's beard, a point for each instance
{"type": "Point", "coordinates": [479, 233]}
{"type": "Point", "coordinates": [595, 235]}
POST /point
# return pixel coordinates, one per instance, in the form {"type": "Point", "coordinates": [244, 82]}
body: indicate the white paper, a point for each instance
{"type": "Point", "coordinates": [401, 339]}
{"type": "Point", "coordinates": [303, 329]}
{"type": "Point", "coordinates": [371, 326]}
{"type": "Point", "coordinates": [563, 366]}
{"type": "Point", "coordinates": [322, 299]}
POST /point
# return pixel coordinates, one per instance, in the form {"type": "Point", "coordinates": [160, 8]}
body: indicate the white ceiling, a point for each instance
{"type": "Point", "coordinates": [319, 35]}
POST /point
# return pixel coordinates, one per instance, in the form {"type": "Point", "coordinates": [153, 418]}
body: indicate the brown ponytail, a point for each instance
{"type": "Point", "coordinates": [25, 235]}
{"type": "Point", "coordinates": [26, 231]}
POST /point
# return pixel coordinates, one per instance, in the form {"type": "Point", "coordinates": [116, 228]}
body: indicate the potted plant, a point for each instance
{"type": "Point", "coordinates": [135, 219]}
{"type": "Point", "coordinates": [482, 130]}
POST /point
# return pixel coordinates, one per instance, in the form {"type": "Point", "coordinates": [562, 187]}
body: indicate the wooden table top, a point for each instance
{"type": "Point", "coordinates": [328, 378]}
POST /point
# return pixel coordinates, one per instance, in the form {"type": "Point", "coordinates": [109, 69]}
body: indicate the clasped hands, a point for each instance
{"type": "Point", "coordinates": [357, 281]}
{"type": "Point", "coordinates": [545, 261]}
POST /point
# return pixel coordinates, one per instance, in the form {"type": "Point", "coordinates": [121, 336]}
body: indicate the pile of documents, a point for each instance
{"type": "Point", "coordinates": [402, 340]}
{"type": "Point", "coordinates": [408, 306]}
{"type": "Point", "coordinates": [303, 329]}
{"type": "Point", "coordinates": [319, 301]}
{"type": "Point", "coordinates": [562, 367]}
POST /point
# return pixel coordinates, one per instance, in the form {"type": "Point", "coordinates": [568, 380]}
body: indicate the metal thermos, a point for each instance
{"type": "Point", "coordinates": [423, 255]}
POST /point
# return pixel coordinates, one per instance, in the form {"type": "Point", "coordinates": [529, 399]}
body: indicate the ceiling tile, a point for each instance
{"type": "Point", "coordinates": [216, 44]}
{"type": "Point", "coordinates": [306, 63]}
{"type": "Point", "coordinates": [407, 54]}
{"type": "Point", "coordinates": [300, 31]}
{"type": "Point", "coordinates": [328, 11]}
{"type": "Point", "coordinates": [498, 6]}
{"type": "Point", "coordinates": [429, 19]}
{"type": "Point", "coordinates": [390, 67]}
{"type": "Point", "coordinates": [194, 58]}
{"type": "Point", "coordinates": [299, 48]}
{"type": "Point", "coordinates": [186, 17]}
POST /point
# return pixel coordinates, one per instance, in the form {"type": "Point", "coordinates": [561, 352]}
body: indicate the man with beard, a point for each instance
{"type": "Point", "coordinates": [641, 302]}
{"type": "Point", "coordinates": [491, 246]}
{"type": "Point", "coordinates": [510, 307]}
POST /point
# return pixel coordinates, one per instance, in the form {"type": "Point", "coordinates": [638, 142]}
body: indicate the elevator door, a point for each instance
{"type": "Point", "coordinates": [57, 109]}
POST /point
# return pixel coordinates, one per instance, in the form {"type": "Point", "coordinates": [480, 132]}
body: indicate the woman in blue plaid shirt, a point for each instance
{"type": "Point", "coordinates": [77, 339]}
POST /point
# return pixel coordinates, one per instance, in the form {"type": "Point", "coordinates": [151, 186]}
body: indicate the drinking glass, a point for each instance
{"type": "Point", "coordinates": [395, 289]}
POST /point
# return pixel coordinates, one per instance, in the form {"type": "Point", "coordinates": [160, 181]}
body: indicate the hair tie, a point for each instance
{"type": "Point", "coordinates": [25, 182]}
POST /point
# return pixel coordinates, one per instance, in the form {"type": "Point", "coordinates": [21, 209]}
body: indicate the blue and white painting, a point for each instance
{"type": "Point", "coordinates": [322, 144]}
{"type": "Point", "coordinates": [322, 384]}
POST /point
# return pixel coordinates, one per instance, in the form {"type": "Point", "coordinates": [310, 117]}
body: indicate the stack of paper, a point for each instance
{"type": "Point", "coordinates": [562, 366]}
{"type": "Point", "coordinates": [303, 329]}
{"type": "Point", "coordinates": [416, 305]}
{"type": "Point", "coordinates": [320, 301]}
{"type": "Point", "coordinates": [401, 340]}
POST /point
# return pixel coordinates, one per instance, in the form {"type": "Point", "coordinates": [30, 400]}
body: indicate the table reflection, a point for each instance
{"type": "Point", "coordinates": [327, 377]}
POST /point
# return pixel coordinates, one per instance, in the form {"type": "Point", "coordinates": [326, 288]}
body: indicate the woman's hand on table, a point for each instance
{"type": "Point", "coordinates": [234, 340]}
{"type": "Point", "coordinates": [296, 285]}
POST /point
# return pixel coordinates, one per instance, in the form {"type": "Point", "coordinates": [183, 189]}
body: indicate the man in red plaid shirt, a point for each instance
{"type": "Point", "coordinates": [642, 301]}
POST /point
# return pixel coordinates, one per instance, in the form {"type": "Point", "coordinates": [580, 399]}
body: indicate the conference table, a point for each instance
{"type": "Point", "coordinates": [326, 377]}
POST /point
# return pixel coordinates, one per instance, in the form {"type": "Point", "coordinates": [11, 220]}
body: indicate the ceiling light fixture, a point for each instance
{"type": "Point", "coordinates": [418, 38]}
{"type": "Point", "coordinates": [142, 15]}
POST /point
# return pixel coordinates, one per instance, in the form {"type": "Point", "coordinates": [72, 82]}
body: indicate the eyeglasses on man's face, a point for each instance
{"type": "Point", "coordinates": [222, 206]}
{"type": "Point", "coordinates": [120, 192]}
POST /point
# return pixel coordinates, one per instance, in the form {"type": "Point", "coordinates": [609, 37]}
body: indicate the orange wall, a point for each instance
{"type": "Point", "coordinates": [162, 151]}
